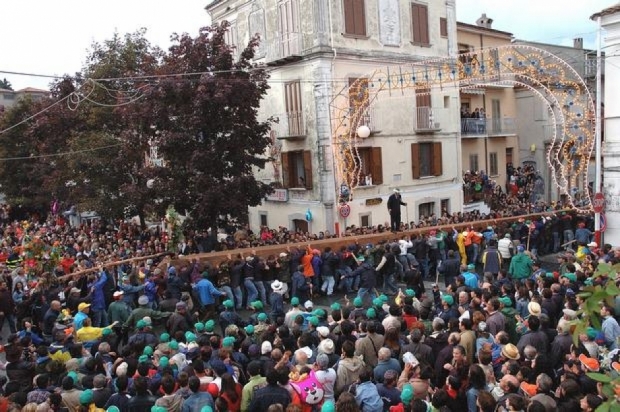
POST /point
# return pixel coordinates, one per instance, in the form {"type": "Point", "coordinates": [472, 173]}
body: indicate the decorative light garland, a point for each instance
{"type": "Point", "coordinates": [552, 79]}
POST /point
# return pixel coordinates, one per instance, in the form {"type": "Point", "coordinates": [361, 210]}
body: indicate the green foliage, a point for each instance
{"type": "Point", "coordinates": [5, 84]}
{"type": "Point", "coordinates": [605, 290]}
{"type": "Point", "coordinates": [130, 98]}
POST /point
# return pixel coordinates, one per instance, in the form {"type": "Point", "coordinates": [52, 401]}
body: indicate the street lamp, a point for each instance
{"type": "Point", "coordinates": [363, 131]}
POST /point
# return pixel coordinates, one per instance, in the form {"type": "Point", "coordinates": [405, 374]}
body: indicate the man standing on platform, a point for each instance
{"type": "Point", "coordinates": [393, 204]}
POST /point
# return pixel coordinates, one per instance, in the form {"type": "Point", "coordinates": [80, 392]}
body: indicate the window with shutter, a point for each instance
{"type": "Point", "coordinates": [292, 101]}
{"type": "Point", "coordinates": [307, 159]}
{"type": "Point", "coordinates": [419, 23]}
{"type": "Point", "coordinates": [415, 160]}
{"type": "Point", "coordinates": [285, 170]}
{"type": "Point", "coordinates": [437, 166]}
{"type": "Point", "coordinates": [443, 27]}
{"type": "Point", "coordinates": [354, 17]}
{"type": "Point", "coordinates": [376, 166]}
{"type": "Point", "coordinates": [426, 160]}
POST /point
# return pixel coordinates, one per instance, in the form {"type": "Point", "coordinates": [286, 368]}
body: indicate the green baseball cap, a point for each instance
{"type": "Point", "coordinates": [448, 299]}
{"type": "Point", "coordinates": [295, 301]}
{"type": "Point", "coordinates": [506, 301]}
{"type": "Point", "coordinates": [174, 345]}
{"type": "Point", "coordinates": [384, 298]}
{"type": "Point", "coordinates": [164, 337]}
{"type": "Point", "coordinates": [140, 324]}
{"type": "Point", "coordinates": [570, 276]}
{"type": "Point", "coordinates": [262, 317]}
{"type": "Point", "coordinates": [164, 361]}
{"type": "Point", "coordinates": [199, 326]}
{"type": "Point", "coordinates": [249, 329]}
{"type": "Point", "coordinates": [228, 304]}
{"type": "Point", "coordinates": [371, 313]}
{"type": "Point", "coordinates": [320, 313]}
{"type": "Point", "coordinates": [357, 302]}
{"type": "Point", "coordinates": [313, 320]}
{"type": "Point", "coordinates": [410, 292]}
{"type": "Point", "coordinates": [257, 305]}
{"type": "Point", "coordinates": [190, 337]}
{"type": "Point", "coordinates": [228, 342]}
{"type": "Point", "coordinates": [328, 406]}
{"type": "Point", "coordinates": [210, 325]}
{"type": "Point", "coordinates": [335, 306]}
{"type": "Point", "coordinates": [143, 359]}
{"type": "Point", "coordinates": [86, 397]}
{"type": "Point", "coordinates": [148, 351]}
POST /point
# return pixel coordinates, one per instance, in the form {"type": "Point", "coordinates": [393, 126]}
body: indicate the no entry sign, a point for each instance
{"type": "Point", "coordinates": [598, 202]}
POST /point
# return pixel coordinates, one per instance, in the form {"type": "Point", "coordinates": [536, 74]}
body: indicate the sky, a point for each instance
{"type": "Point", "coordinates": [53, 37]}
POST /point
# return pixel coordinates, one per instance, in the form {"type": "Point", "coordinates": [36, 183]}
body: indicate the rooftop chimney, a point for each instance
{"type": "Point", "coordinates": [578, 43]}
{"type": "Point", "coordinates": [484, 21]}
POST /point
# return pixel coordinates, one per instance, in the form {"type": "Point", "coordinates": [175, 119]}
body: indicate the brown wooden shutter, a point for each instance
{"type": "Point", "coordinates": [415, 160]}
{"type": "Point", "coordinates": [423, 97]}
{"type": "Point", "coordinates": [419, 21]}
{"type": "Point", "coordinates": [376, 164]}
{"type": "Point", "coordinates": [285, 170]}
{"type": "Point", "coordinates": [359, 17]}
{"type": "Point", "coordinates": [424, 24]}
{"type": "Point", "coordinates": [308, 168]}
{"type": "Point", "coordinates": [443, 27]}
{"type": "Point", "coordinates": [437, 160]}
{"type": "Point", "coordinates": [349, 22]}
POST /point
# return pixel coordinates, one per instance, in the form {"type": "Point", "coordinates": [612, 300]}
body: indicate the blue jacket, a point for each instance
{"type": "Point", "coordinates": [98, 301]}
{"type": "Point", "coordinates": [367, 397]}
{"type": "Point", "coordinates": [207, 292]}
{"type": "Point", "coordinates": [130, 292]}
{"type": "Point", "coordinates": [150, 290]}
{"type": "Point", "coordinates": [471, 280]}
{"type": "Point", "coordinates": [277, 304]}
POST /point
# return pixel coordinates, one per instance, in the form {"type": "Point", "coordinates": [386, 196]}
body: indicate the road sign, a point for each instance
{"type": "Point", "coordinates": [598, 202]}
{"type": "Point", "coordinates": [345, 210]}
{"type": "Point", "coordinates": [603, 222]}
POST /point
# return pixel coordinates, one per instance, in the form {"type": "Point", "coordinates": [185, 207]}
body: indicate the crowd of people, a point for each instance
{"type": "Point", "coordinates": [245, 334]}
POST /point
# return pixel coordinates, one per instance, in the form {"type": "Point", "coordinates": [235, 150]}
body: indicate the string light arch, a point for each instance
{"type": "Point", "coordinates": [570, 105]}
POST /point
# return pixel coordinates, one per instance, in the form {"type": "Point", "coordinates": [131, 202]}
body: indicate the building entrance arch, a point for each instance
{"type": "Point", "coordinates": [566, 95]}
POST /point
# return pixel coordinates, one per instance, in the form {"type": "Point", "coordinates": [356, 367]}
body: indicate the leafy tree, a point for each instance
{"type": "Point", "coordinates": [31, 151]}
{"type": "Point", "coordinates": [603, 288]}
{"type": "Point", "coordinates": [195, 103]}
{"type": "Point", "coordinates": [5, 84]}
{"type": "Point", "coordinates": [207, 128]}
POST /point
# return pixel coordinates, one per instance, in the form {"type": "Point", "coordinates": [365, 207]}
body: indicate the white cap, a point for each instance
{"type": "Point", "coordinates": [308, 304]}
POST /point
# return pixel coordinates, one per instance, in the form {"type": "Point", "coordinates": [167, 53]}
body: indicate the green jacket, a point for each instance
{"type": "Point", "coordinates": [520, 266]}
{"type": "Point", "coordinates": [256, 382]}
{"type": "Point", "coordinates": [140, 313]}
{"type": "Point", "coordinates": [118, 311]}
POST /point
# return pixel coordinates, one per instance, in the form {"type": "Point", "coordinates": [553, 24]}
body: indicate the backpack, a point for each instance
{"type": "Point", "coordinates": [310, 390]}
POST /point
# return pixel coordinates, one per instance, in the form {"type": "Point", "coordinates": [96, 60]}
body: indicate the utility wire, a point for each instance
{"type": "Point", "coordinates": [92, 149]}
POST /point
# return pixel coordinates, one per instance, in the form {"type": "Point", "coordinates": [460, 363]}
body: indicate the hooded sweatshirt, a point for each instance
{"type": "Point", "coordinates": [172, 403]}
{"type": "Point", "coordinates": [348, 372]}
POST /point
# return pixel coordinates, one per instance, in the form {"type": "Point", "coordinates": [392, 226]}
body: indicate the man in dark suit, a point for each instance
{"type": "Point", "coordinates": [394, 202]}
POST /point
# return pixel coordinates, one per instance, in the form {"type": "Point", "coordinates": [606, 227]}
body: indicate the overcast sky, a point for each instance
{"type": "Point", "coordinates": [52, 37]}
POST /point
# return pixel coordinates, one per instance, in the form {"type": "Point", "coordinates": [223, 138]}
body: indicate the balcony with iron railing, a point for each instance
{"type": "Point", "coordinates": [290, 126]}
{"type": "Point", "coordinates": [431, 119]}
{"type": "Point", "coordinates": [370, 118]}
{"type": "Point", "coordinates": [472, 127]}
{"type": "Point", "coordinates": [285, 48]}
